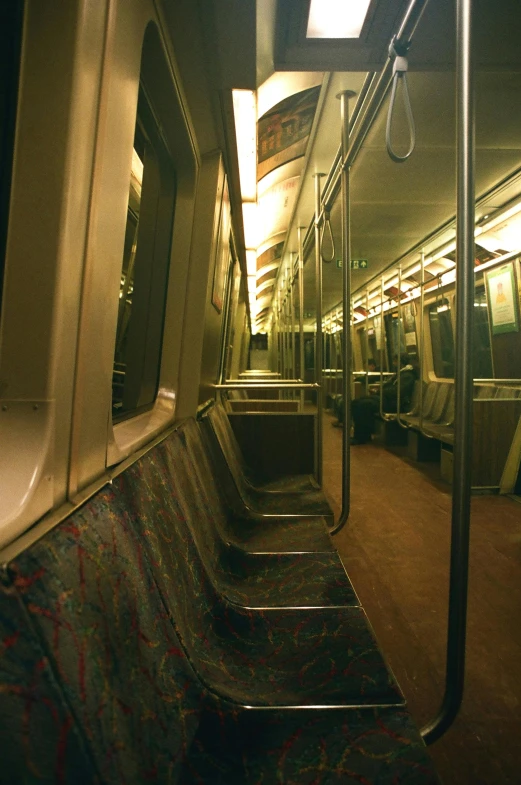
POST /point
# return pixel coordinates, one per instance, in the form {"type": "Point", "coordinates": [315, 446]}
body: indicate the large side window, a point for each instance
{"type": "Point", "coordinates": [11, 15]}
{"type": "Point", "coordinates": [442, 339]}
{"type": "Point", "coordinates": [482, 355]}
{"type": "Point", "coordinates": [144, 272]}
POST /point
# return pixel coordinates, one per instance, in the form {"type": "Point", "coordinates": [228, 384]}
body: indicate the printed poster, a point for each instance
{"type": "Point", "coordinates": [502, 299]}
{"type": "Point", "coordinates": [283, 132]}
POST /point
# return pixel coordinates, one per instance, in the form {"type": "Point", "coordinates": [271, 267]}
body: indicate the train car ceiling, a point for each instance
{"type": "Point", "coordinates": [392, 208]}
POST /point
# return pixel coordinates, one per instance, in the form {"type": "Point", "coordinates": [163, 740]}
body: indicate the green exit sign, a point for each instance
{"type": "Point", "coordinates": [356, 264]}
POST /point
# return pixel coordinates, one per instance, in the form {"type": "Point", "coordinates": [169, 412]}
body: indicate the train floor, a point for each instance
{"type": "Point", "coordinates": [396, 549]}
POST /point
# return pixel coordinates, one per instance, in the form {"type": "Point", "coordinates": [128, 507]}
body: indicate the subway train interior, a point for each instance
{"type": "Point", "coordinates": [260, 392]}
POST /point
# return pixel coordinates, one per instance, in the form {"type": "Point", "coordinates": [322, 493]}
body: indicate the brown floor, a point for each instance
{"type": "Point", "coordinates": [396, 550]}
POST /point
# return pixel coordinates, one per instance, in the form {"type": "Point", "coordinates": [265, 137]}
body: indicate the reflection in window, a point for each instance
{"type": "Point", "coordinates": [144, 270]}
{"type": "Point", "coordinates": [395, 337]}
{"type": "Point", "coordinates": [10, 45]}
{"type": "Point", "coordinates": [442, 339]}
{"type": "Point", "coordinates": [482, 356]}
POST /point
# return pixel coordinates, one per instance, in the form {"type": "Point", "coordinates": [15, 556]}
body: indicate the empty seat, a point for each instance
{"type": "Point", "coordinates": [297, 496]}
{"type": "Point", "coordinates": [484, 391]}
{"type": "Point", "coordinates": [507, 392]}
{"type": "Point", "coordinates": [97, 688]}
{"type": "Point", "coordinates": [265, 658]}
{"type": "Point", "coordinates": [290, 576]}
{"type": "Point", "coordinates": [431, 393]}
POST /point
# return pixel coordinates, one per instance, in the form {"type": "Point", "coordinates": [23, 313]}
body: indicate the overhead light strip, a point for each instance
{"type": "Point", "coordinates": [336, 18]}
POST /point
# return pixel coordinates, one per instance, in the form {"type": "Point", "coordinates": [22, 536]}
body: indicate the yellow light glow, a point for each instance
{"type": "Point", "coordinates": [249, 219]}
{"type": "Point", "coordinates": [252, 286]}
{"type": "Point", "coordinates": [251, 262]}
{"type": "Point", "coordinates": [245, 113]}
{"type": "Point", "coordinates": [336, 18]}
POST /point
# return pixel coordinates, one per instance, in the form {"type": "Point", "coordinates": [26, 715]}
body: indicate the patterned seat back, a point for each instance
{"type": "Point", "coordinates": [92, 640]}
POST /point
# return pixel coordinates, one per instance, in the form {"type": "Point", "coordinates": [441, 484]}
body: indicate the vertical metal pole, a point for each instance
{"type": "Point", "coordinates": [399, 379]}
{"type": "Point", "coordinates": [461, 486]}
{"type": "Point", "coordinates": [422, 334]}
{"type": "Point", "coordinates": [284, 333]}
{"type": "Point", "coordinates": [318, 333]}
{"type": "Point", "coordinates": [382, 333]}
{"type": "Point", "coordinates": [346, 312]}
{"type": "Point", "coordinates": [279, 340]}
{"type": "Point", "coordinates": [301, 311]}
{"type": "Point", "coordinates": [292, 308]}
{"type": "Point", "coordinates": [367, 342]}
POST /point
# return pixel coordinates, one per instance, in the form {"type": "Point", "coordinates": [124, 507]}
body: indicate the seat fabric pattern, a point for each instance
{"type": "Point", "coordinates": [90, 596]}
{"type": "Point", "coordinates": [38, 733]}
{"type": "Point", "coordinates": [251, 579]}
{"type": "Point", "coordinates": [299, 578]}
{"type": "Point", "coordinates": [278, 657]}
{"type": "Point", "coordinates": [96, 687]}
{"type": "Point", "coordinates": [270, 535]}
{"type": "Point", "coordinates": [301, 502]}
{"type": "Point", "coordinates": [294, 482]}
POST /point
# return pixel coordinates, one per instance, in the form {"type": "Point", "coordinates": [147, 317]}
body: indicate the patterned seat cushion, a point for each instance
{"type": "Point", "coordinates": [96, 686]}
{"type": "Point", "coordinates": [305, 500]}
{"type": "Point", "coordinates": [251, 657]}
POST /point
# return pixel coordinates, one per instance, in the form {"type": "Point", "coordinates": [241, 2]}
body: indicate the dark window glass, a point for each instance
{"type": "Point", "coordinates": [482, 356]}
{"type": "Point", "coordinates": [11, 15]}
{"type": "Point", "coordinates": [395, 337]}
{"type": "Point", "coordinates": [144, 271]}
{"type": "Point", "coordinates": [442, 339]}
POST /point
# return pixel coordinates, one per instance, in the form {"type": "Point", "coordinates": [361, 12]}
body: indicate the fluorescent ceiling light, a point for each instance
{"type": "Point", "coordinates": [336, 18]}
{"type": "Point", "coordinates": [249, 219]}
{"type": "Point", "coordinates": [245, 113]}
{"type": "Point", "coordinates": [251, 262]}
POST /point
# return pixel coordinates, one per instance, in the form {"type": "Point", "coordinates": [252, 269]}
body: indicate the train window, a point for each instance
{"type": "Point", "coordinates": [11, 15]}
{"type": "Point", "coordinates": [442, 339]}
{"type": "Point", "coordinates": [482, 354]}
{"type": "Point", "coordinates": [395, 336]}
{"type": "Point", "coordinates": [144, 271]}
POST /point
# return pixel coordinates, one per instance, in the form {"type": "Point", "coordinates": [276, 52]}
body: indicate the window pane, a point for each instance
{"type": "Point", "coordinates": [482, 356]}
{"type": "Point", "coordinates": [11, 17]}
{"type": "Point", "coordinates": [144, 270]}
{"type": "Point", "coordinates": [442, 339]}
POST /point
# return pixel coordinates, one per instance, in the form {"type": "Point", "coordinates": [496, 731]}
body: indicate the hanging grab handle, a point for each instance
{"type": "Point", "coordinates": [399, 74]}
{"type": "Point", "coordinates": [327, 222]}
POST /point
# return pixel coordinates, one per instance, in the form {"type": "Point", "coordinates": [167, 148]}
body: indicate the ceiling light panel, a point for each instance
{"type": "Point", "coordinates": [336, 18]}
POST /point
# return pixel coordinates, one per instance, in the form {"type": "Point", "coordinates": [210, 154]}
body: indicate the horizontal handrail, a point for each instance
{"type": "Point", "coordinates": [252, 382]}
{"type": "Point", "coordinates": [267, 386]}
{"type": "Point", "coordinates": [497, 381]}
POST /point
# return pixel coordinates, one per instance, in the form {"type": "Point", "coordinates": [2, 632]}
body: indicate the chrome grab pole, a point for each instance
{"type": "Point", "coordinates": [265, 386]}
{"type": "Point", "coordinates": [318, 333]}
{"type": "Point", "coordinates": [399, 378]}
{"type": "Point", "coordinates": [346, 314]}
{"type": "Point", "coordinates": [301, 311]}
{"type": "Point", "coordinates": [367, 341]}
{"type": "Point", "coordinates": [461, 486]}
{"type": "Point", "coordinates": [422, 335]}
{"type": "Point", "coordinates": [292, 309]}
{"type": "Point", "coordinates": [383, 415]}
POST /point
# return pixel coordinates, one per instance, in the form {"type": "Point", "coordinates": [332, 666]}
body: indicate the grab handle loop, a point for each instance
{"type": "Point", "coordinates": [400, 67]}
{"type": "Point", "coordinates": [327, 222]}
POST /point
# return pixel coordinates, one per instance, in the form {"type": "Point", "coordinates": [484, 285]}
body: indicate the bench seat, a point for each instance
{"type": "Point", "coordinates": [298, 492]}
{"type": "Point", "coordinates": [96, 685]}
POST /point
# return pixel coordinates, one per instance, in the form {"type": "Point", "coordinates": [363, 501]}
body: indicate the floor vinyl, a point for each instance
{"type": "Point", "coordinates": [396, 548]}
